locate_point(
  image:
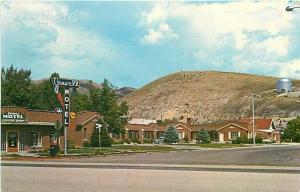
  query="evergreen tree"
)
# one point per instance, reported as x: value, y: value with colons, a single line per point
x: 203, y: 136
x: 292, y: 131
x: 106, y: 141
x: 171, y: 135
x: 15, y: 87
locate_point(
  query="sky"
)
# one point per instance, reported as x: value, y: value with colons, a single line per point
x: 134, y: 43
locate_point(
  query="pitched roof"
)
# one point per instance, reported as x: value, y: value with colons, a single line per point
x: 86, y: 116
x: 142, y: 121
x: 260, y: 123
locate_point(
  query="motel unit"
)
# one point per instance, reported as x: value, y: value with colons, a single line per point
x: 25, y: 129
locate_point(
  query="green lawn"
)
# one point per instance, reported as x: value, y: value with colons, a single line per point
x: 217, y: 145
x: 116, y: 149
x: 119, y: 149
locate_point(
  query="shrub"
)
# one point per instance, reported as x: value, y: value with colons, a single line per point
x: 128, y: 141
x: 71, y: 144
x: 240, y: 140
x: 171, y: 135
x: 87, y: 144
x: 292, y: 131
x: 258, y: 140
x: 186, y: 139
x: 106, y: 141
x: 203, y: 136
x: 148, y: 141
x: 135, y: 140
x: 118, y: 142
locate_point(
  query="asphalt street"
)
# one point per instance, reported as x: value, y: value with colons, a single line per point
x: 36, y: 179
x: 273, y: 156
x: 243, y: 169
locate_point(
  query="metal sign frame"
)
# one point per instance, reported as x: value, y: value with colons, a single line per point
x: 66, y: 84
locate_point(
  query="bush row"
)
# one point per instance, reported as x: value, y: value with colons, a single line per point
x: 245, y: 140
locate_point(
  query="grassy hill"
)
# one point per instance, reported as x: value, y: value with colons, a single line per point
x: 210, y: 96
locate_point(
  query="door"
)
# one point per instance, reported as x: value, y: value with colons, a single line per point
x: 12, y: 141
x: 221, y: 137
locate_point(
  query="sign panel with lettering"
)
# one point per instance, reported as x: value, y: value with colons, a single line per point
x: 60, y: 82
x: 12, y: 117
x: 67, y: 107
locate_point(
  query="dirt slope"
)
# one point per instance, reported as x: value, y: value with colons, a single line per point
x: 209, y: 96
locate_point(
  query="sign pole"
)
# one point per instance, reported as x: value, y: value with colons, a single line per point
x: 98, y: 126
x: 66, y: 115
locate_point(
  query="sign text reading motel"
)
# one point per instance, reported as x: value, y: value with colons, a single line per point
x: 66, y: 84
x: 12, y: 117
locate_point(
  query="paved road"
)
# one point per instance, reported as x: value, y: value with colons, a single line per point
x: 275, y: 156
x: 34, y: 179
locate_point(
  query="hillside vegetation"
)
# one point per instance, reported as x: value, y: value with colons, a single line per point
x: 210, y: 96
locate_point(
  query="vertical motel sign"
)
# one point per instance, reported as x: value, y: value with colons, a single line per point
x: 66, y: 84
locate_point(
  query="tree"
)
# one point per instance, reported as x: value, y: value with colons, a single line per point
x: 80, y: 102
x: 43, y: 96
x: 171, y: 135
x: 94, y: 98
x: 203, y: 136
x: 105, y: 101
x: 106, y: 141
x: 15, y: 86
x: 292, y: 131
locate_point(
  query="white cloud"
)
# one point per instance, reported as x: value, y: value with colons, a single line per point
x: 155, y: 36
x: 155, y: 23
x: 156, y: 15
x: 275, y: 46
x: 210, y: 22
x: 235, y: 36
x: 49, y: 30
x: 290, y: 69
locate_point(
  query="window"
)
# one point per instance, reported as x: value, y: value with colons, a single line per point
x: 213, y: 135
x: 35, y: 139
x: 234, y: 135
x: 115, y: 136
x: 181, y: 135
x: 148, y: 134
x: 133, y: 134
x: 51, y: 138
x: 194, y: 135
x: 160, y: 134
x: 84, y: 134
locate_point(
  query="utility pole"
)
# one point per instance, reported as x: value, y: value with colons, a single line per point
x: 253, y: 120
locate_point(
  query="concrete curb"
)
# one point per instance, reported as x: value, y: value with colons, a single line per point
x: 180, y: 167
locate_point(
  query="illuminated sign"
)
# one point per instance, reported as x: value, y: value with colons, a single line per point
x: 67, y: 107
x: 12, y: 117
x: 72, y: 115
x: 57, y: 82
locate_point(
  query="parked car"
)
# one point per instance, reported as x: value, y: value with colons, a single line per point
x: 160, y: 140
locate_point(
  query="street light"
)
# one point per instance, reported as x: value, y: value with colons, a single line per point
x: 253, y: 120
x: 98, y: 126
x: 291, y: 8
